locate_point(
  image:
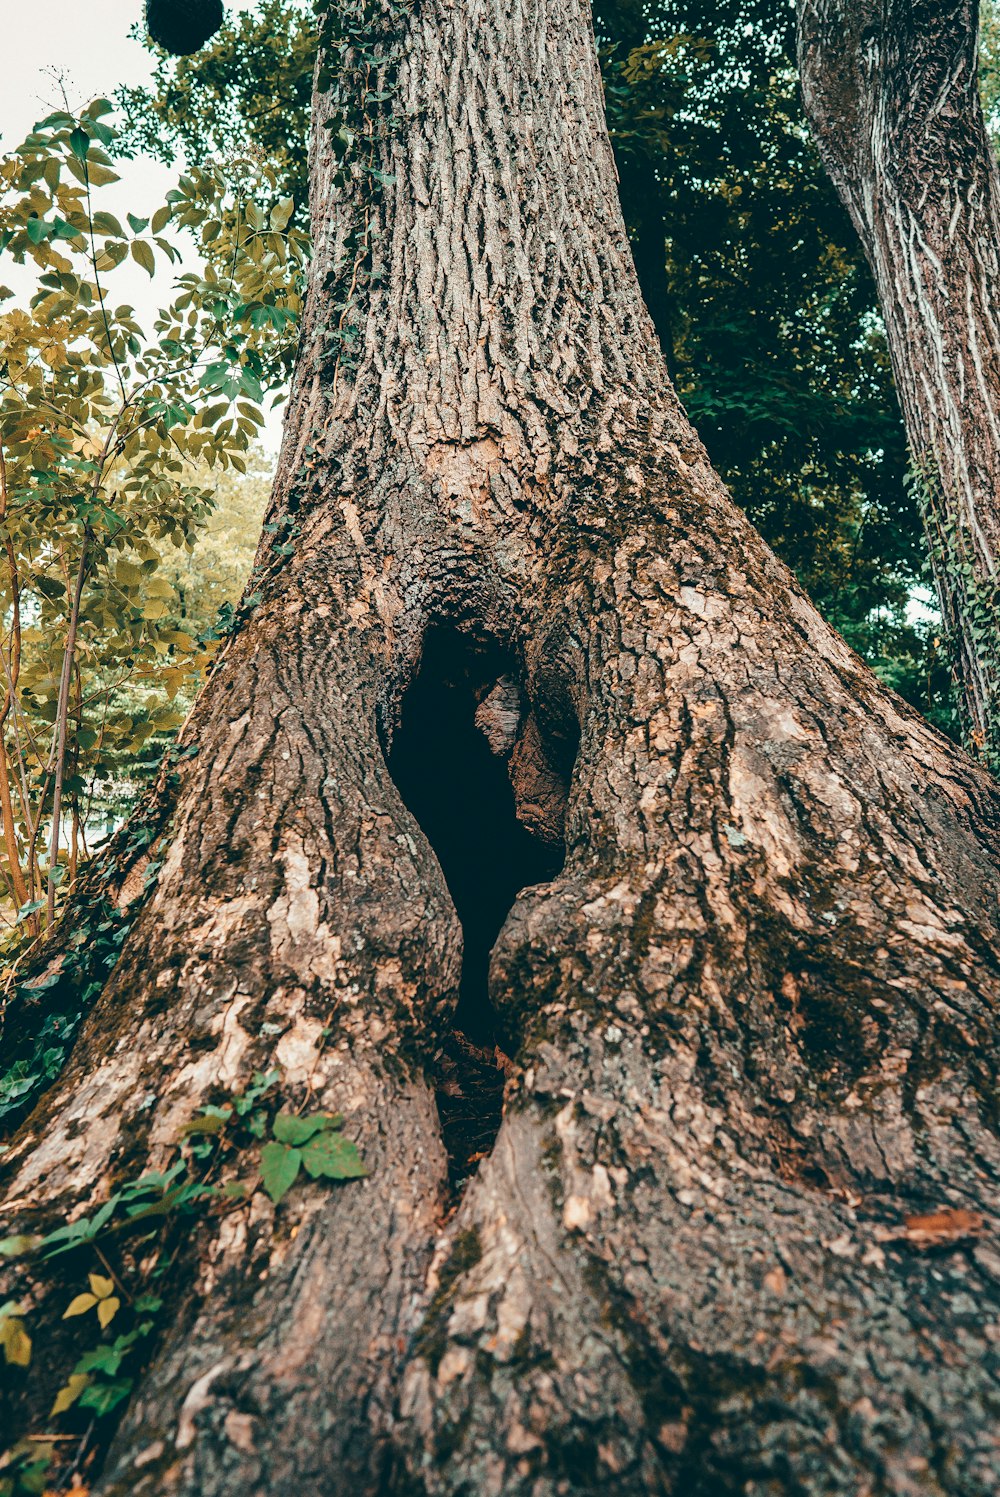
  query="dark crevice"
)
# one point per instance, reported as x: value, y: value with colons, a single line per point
x: 453, y: 776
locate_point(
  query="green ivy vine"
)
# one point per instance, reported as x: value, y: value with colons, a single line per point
x: 971, y: 611
x: 360, y: 49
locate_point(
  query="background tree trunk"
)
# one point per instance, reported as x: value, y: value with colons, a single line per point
x: 754, y: 1012
x: 892, y: 93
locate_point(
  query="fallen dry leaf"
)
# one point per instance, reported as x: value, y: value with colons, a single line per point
x: 950, y: 1225
x: 775, y: 1281
x: 951, y: 1222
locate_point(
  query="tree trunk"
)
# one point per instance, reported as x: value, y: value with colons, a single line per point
x: 753, y: 1013
x: 892, y: 93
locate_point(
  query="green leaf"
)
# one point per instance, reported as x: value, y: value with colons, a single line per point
x: 103, y: 1397
x: 103, y: 1359
x: 334, y: 1157
x: 15, y: 1247
x: 79, y: 144
x: 279, y: 1166
x: 137, y: 224
x: 292, y: 1130
x: 250, y: 385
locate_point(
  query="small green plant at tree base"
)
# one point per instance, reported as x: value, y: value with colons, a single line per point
x: 313, y: 1144
x: 105, y: 433
x: 132, y: 1229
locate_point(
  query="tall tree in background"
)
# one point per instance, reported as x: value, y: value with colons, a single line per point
x: 754, y: 1009
x: 893, y: 96
x: 774, y: 345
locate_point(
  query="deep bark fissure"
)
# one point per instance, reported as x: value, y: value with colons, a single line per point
x: 450, y: 758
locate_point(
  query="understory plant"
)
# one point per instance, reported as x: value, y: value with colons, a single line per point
x: 109, y: 436
x: 113, y: 1268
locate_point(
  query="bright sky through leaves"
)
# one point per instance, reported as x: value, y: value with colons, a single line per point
x: 91, y: 50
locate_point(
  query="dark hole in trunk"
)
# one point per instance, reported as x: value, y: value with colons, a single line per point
x: 459, y: 791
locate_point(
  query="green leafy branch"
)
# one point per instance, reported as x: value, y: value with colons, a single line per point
x: 102, y: 428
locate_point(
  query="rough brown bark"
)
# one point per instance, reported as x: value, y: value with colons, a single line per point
x: 891, y: 90
x: 755, y: 1012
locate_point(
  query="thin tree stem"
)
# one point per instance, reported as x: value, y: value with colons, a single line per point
x: 62, y: 719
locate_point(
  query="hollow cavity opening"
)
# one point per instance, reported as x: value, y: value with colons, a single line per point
x: 449, y: 759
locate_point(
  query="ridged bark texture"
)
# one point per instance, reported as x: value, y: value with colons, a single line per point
x: 756, y: 1010
x: 891, y: 90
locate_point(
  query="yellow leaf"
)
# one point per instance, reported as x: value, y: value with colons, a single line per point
x: 80, y: 1305
x: 100, y: 176
x: 68, y: 1395
x: 143, y: 255
x: 107, y: 1310
x: 281, y: 213
x: 16, y: 1343
x: 101, y: 1286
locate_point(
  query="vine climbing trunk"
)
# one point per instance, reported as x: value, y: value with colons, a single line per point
x: 892, y: 94
x: 734, y: 1232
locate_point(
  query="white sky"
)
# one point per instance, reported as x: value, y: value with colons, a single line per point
x: 90, y: 45
x: 89, y: 42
